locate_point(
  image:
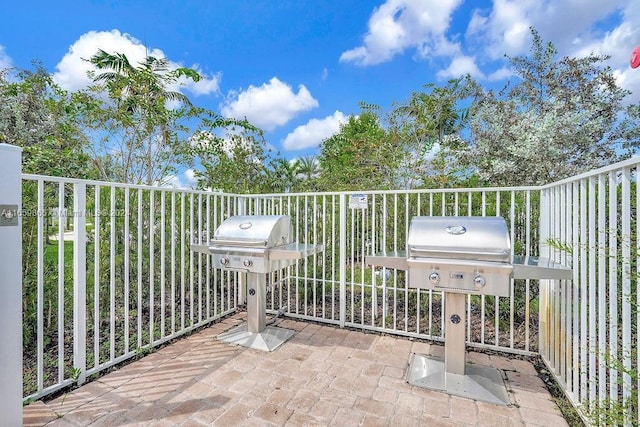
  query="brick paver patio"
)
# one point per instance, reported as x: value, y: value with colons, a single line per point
x: 322, y: 376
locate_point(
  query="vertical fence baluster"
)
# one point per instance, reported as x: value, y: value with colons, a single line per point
x: 112, y: 273
x: 576, y: 291
x: 96, y: 277
x: 602, y: 287
x: 127, y: 260
x: 208, y: 258
x: 173, y: 263
x: 342, y: 253
x: 61, y: 276
x: 637, y: 274
x: 625, y: 264
x: 591, y: 286
x: 191, y: 255
x: 139, y: 259
x: 613, y: 285
x: 183, y: 242
x: 40, y: 286
x: 567, y: 235
x: 163, y: 257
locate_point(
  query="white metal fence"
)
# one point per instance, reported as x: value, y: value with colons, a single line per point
x: 108, y: 274
x: 589, y: 326
x: 337, y: 286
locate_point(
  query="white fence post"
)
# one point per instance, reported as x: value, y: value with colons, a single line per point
x: 343, y: 259
x: 80, y: 280
x: 11, y: 285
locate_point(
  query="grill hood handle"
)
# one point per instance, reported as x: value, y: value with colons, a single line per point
x: 238, y: 242
x: 415, y: 250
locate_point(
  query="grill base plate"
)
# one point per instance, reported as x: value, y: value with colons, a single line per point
x: 482, y: 383
x: 269, y: 339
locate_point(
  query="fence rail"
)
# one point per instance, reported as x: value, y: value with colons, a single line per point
x: 108, y: 273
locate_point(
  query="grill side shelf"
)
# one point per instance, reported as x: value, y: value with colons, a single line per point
x: 294, y: 251
x: 539, y: 268
x: 204, y: 249
x: 396, y: 260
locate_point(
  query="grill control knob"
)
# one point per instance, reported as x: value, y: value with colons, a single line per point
x: 248, y: 263
x: 224, y: 260
x: 434, y: 278
x: 479, y: 281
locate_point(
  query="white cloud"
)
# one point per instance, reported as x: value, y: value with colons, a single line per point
x: 500, y: 74
x: 71, y: 71
x: 508, y: 26
x: 268, y: 106
x: 505, y: 29
x: 5, y: 60
x: 461, y: 66
x: 629, y: 79
x: 402, y: 24
x: 618, y: 44
x: 439, y: 47
x: 190, y: 176
x: 576, y: 29
x: 313, y: 132
x: 186, y: 179
x: 205, y: 86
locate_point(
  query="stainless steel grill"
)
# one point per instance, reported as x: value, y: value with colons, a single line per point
x: 456, y: 254
x: 255, y: 245
x: 459, y: 256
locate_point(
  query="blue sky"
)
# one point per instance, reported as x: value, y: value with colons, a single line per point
x: 297, y: 69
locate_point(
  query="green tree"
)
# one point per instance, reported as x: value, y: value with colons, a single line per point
x: 37, y: 115
x: 142, y: 127
x: 427, y: 127
x: 563, y: 117
x: 359, y: 156
x: 234, y: 163
x: 283, y: 175
x: 308, y: 172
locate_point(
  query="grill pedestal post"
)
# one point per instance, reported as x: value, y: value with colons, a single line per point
x: 255, y: 334
x: 256, y: 302
x: 451, y: 374
x: 454, y: 332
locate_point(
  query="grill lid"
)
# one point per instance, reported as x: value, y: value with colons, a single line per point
x: 257, y: 231
x: 468, y: 238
